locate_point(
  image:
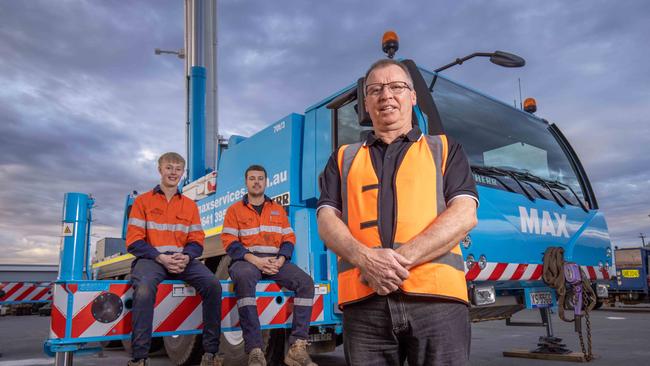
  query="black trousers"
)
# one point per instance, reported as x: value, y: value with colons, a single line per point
x: 245, y: 277
x: 387, y: 330
x: 146, y: 275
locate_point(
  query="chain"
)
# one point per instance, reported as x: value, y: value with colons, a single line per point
x: 582, y: 345
x: 589, y: 356
x: 553, y: 275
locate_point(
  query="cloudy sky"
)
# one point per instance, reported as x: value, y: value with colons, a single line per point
x: 86, y: 106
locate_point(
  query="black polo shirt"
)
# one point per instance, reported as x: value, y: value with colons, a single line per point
x: 457, y: 180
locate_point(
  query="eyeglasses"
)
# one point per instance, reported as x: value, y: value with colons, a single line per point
x: 395, y: 87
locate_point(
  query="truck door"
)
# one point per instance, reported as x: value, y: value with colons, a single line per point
x: 346, y: 129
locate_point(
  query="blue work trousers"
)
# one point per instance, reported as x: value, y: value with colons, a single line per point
x: 146, y: 274
x: 387, y: 330
x: 245, y: 277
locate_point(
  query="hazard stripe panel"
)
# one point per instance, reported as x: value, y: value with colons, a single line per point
x: 523, y: 272
x: 59, y: 312
x: 26, y: 292
x: 177, y: 308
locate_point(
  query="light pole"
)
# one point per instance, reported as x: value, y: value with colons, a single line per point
x: 180, y: 53
x: 500, y: 58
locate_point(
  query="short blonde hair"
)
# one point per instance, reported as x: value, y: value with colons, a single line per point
x: 171, y: 157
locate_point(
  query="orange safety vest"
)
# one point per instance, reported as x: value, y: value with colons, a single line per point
x: 418, y: 186
x: 167, y: 226
x: 258, y: 233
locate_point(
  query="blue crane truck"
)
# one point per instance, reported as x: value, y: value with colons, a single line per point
x: 533, y: 191
x: 534, y: 194
x: 631, y: 284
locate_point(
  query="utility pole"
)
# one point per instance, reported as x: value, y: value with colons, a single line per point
x: 642, y: 239
x: 521, y: 104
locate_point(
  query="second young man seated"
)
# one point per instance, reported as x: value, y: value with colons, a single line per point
x: 259, y: 240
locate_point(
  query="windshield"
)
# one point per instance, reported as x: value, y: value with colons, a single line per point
x: 495, y: 135
x: 628, y: 258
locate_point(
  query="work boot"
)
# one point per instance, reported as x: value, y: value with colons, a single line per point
x: 140, y: 362
x: 256, y: 357
x: 211, y: 359
x: 298, y: 356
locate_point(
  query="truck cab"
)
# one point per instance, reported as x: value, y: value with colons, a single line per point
x: 532, y: 188
x: 632, y: 282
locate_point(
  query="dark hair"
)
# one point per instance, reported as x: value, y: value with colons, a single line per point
x: 385, y: 62
x: 257, y: 168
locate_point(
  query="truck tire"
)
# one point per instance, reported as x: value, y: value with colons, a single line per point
x: 184, y: 349
x: 276, y: 345
x: 110, y: 344
x: 156, y: 345
x: 231, y: 345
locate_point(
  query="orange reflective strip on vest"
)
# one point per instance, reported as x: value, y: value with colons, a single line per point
x: 419, y: 200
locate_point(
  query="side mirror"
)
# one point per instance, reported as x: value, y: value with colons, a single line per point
x: 362, y: 115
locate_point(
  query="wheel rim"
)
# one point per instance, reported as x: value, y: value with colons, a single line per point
x: 176, y: 341
x: 234, y: 338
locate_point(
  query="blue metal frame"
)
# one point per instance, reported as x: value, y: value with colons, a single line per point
x: 127, y: 207
x: 76, y: 211
x: 23, y: 302
x: 196, y: 148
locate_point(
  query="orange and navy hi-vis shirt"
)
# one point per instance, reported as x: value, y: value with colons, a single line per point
x: 156, y: 226
x: 246, y: 231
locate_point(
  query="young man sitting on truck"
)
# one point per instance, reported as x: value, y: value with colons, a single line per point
x: 259, y: 240
x: 165, y: 235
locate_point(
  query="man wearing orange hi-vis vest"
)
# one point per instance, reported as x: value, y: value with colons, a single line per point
x: 164, y: 233
x: 259, y: 240
x: 394, y: 208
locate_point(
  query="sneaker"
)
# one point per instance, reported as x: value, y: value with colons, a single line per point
x: 211, y: 359
x: 256, y: 357
x: 298, y: 356
x: 140, y: 362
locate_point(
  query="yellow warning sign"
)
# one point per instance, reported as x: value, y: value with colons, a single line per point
x: 68, y: 229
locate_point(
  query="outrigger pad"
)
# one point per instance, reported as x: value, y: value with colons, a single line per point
x: 522, y: 353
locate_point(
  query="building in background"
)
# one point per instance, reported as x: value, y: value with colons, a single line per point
x: 28, y: 272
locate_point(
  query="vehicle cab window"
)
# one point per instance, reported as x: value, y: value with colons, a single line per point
x: 346, y: 126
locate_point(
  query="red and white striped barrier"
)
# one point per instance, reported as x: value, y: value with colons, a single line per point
x: 59, y: 312
x: 16, y: 292
x: 522, y: 272
x: 177, y: 308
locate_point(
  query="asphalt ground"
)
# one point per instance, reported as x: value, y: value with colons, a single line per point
x: 620, y: 337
